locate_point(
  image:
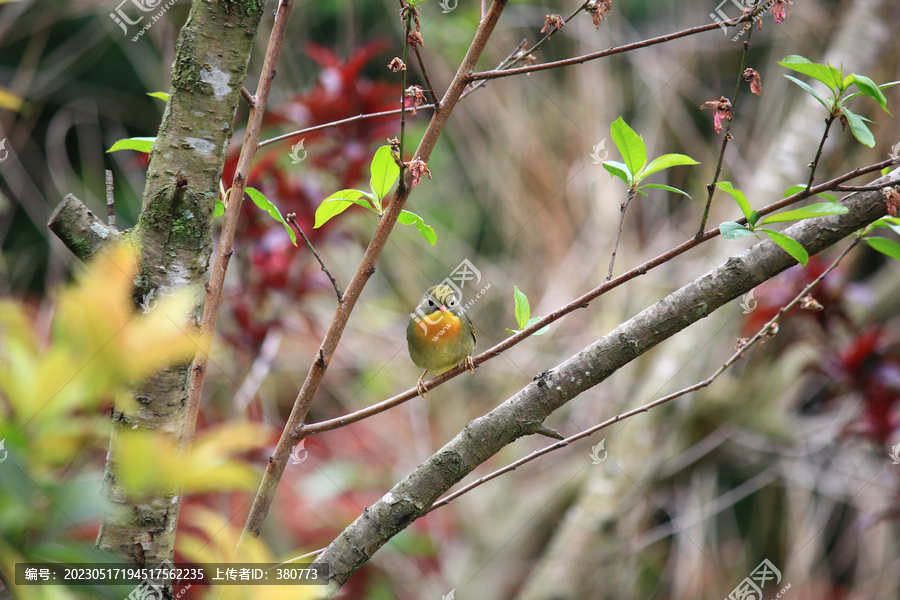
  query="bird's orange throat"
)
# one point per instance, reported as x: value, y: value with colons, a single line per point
x: 437, y: 325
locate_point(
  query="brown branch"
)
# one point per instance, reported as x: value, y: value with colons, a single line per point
x: 290, y: 434
x: 763, y: 331
x: 577, y: 60
x: 292, y: 219
x: 522, y: 413
x: 248, y: 97
x: 581, y: 302
x: 232, y: 213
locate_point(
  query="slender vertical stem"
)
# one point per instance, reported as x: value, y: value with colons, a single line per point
x: 292, y: 219
x: 815, y: 162
x: 711, y: 187
x: 623, y: 208
x: 431, y: 90
x: 409, y: 10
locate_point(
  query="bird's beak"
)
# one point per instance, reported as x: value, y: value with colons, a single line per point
x: 443, y: 308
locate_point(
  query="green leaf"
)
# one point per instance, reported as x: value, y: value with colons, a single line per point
x: 807, y: 212
x: 885, y: 246
x: 808, y: 89
x: 819, y: 72
x: 141, y: 144
x: 754, y: 218
x: 789, y: 245
x: 338, y: 202
x: 660, y: 186
x: 410, y: 218
x: 733, y: 231
x: 738, y: 196
x: 883, y: 86
x: 161, y: 95
x: 260, y: 200
x: 893, y: 223
x: 523, y: 309
x: 619, y: 170
x: 667, y: 161
x: 630, y: 145
x: 871, y: 89
x: 219, y: 210
x: 534, y: 320
x: 802, y: 187
x: 858, y: 128
x: 384, y: 173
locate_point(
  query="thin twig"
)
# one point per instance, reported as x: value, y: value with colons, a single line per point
x: 291, y: 433
x: 622, y: 209
x: 577, y: 60
x: 110, y: 201
x: 520, y: 57
x: 503, y: 64
x: 711, y: 188
x: 862, y: 188
x: 384, y: 113
x: 409, y: 18
x: 360, y: 117
x: 292, y: 219
x: 232, y: 213
x: 763, y: 332
x: 581, y: 302
x: 250, y: 99
x: 815, y: 162
x: 434, y: 98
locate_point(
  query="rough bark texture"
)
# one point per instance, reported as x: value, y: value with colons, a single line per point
x: 173, y: 234
x: 522, y: 413
x: 79, y: 229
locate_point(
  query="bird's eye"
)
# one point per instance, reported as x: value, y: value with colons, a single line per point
x: 431, y: 303
x: 452, y: 301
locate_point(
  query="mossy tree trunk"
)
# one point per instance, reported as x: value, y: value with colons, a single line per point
x: 173, y: 237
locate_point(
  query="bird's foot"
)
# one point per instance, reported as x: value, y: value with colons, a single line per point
x: 420, y: 385
x: 470, y: 365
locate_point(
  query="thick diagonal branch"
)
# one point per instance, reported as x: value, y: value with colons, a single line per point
x: 523, y: 413
x: 291, y: 434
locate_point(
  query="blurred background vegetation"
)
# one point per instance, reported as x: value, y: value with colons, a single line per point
x: 785, y: 458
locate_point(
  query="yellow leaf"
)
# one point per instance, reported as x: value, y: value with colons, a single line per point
x: 7, y: 98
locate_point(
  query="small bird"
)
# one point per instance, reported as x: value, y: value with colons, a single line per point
x: 440, y: 335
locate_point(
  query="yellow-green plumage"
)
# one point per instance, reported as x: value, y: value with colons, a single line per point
x: 440, y: 335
